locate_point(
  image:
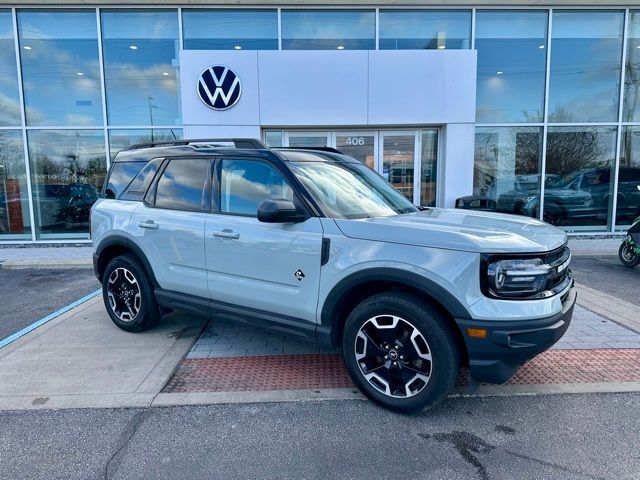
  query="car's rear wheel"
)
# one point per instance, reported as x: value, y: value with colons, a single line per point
x: 400, y: 351
x: 128, y: 295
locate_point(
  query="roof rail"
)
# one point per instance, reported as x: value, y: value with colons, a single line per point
x: 321, y: 149
x: 249, y: 143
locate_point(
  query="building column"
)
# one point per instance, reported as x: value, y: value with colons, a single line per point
x: 457, y: 148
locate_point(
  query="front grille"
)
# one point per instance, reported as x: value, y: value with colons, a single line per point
x: 559, y: 260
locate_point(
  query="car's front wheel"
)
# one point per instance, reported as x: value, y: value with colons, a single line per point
x: 128, y: 295
x: 400, y: 351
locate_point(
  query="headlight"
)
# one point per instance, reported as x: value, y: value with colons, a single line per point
x: 507, y: 277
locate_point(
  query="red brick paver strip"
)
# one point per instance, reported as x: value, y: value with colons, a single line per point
x: 323, y: 371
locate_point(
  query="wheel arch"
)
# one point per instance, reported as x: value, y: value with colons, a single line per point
x: 113, y: 246
x: 356, y: 287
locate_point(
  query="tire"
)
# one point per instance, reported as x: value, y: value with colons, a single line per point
x: 125, y: 280
x: 627, y: 255
x: 386, y: 324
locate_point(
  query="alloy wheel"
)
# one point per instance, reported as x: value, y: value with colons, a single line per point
x: 393, y: 356
x: 124, y: 295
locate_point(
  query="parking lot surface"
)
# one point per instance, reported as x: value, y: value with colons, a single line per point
x: 608, y: 275
x: 30, y: 294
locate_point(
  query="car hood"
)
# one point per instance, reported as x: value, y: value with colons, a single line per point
x: 467, y: 230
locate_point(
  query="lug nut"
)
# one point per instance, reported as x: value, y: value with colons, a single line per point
x: 395, y: 363
x: 386, y: 357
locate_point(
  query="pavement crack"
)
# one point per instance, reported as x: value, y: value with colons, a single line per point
x: 113, y: 463
x: 466, y: 445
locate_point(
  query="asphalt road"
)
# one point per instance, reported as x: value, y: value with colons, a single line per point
x: 30, y: 294
x: 608, y: 275
x: 527, y: 437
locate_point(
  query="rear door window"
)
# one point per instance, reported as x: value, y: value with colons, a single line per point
x: 120, y: 177
x: 184, y: 185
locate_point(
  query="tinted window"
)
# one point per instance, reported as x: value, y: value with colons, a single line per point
x: 245, y: 184
x: 121, y: 175
x: 139, y: 185
x: 425, y: 29
x: 9, y: 106
x: 182, y: 185
x: 328, y: 30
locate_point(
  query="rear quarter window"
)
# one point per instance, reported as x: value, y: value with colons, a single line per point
x: 121, y: 175
x: 138, y: 187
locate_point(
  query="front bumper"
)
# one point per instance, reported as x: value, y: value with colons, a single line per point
x: 507, y: 345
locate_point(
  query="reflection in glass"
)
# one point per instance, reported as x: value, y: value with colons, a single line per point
x: 631, y: 108
x: 628, y: 205
x: 67, y: 172
x: 360, y: 147
x: 424, y: 29
x: 181, y: 185
x: 273, y: 139
x: 507, y: 167
x: 60, y: 68
x: 14, y: 200
x: 140, y: 50
x: 581, y: 160
x: 586, y: 53
x: 308, y: 140
x: 9, y: 99
x: 328, y: 29
x: 123, y: 139
x: 511, y: 65
x: 223, y: 29
x: 429, y: 168
x: 398, y: 155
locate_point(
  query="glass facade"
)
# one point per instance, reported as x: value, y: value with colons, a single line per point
x: 425, y: 29
x: 230, y: 29
x: 328, y: 29
x: 79, y: 84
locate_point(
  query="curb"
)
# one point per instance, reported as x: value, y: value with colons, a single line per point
x: 46, y: 263
x: 612, y: 308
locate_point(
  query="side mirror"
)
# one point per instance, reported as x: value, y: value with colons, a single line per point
x: 279, y: 211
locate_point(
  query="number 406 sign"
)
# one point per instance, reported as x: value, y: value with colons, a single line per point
x: 354, y: 141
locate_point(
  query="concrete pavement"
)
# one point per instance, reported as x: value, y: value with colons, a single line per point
x: 81, y: 359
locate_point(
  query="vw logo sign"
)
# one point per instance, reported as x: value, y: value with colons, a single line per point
x: 219, y: 87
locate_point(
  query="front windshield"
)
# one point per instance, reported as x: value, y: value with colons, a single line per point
x: 350, y: 190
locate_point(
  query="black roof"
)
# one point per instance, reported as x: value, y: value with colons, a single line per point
x: 242, y: 147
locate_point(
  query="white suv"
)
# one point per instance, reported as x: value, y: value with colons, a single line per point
x: 314, y: 243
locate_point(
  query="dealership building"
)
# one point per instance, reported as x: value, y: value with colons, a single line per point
x: 532, y: 110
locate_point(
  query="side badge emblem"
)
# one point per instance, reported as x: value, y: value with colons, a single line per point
x: 299, y: 275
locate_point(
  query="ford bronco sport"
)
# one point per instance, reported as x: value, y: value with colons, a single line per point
x: 314, y: 243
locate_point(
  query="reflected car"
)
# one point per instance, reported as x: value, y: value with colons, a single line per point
x: 65, y: 206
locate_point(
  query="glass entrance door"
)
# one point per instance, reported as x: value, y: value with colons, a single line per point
x: 359, y: 145
x: 398, y: 161
x: 408, y: 159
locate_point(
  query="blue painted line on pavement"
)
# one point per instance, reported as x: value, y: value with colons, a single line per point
x: 51, y: 316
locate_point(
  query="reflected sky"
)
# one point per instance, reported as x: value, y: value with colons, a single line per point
x: 511, y: 66
x: 9, y: 100
x: 122, y: 139
x: 631, y: 111
x: 182, y: 183
x: 328, y: 29
x: 140, y: 49
x: 424, y: 29
x: 222, y: 29
x: 60, y: 68
x: 586, y: 55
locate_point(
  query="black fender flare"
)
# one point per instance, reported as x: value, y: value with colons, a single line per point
x: 329, y: 319
x: 123, y: 241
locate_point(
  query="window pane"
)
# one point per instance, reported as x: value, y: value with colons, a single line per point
x: 579, y: 183
x: 67, y: 172
x: 182, y: 185
x: 632, y: 80
x: 237, y: 29
x: 122, y: 139
x: 586, y: 54
x: 60, y: 70
x: 507, y: 168
x: 122, y: 174
x: 511, y: 65
x: 245, y: 184
x: 14, y: 200
x: 140, y: 49
x: 9, y: 100
x: 273, y: 139
x: 398, y: 154
x: 424, y: 29
x: 429, y: 168
x: 328, y: 29
x: 628, y: 208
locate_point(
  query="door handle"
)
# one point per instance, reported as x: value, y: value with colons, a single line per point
x: 226, y: 234
x: 149, y: 224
